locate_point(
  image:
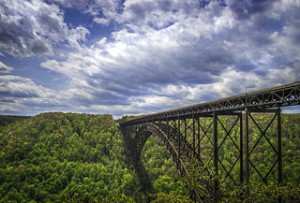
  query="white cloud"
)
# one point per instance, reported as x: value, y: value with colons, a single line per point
x: 77, y: 35
x: 102, y: 21
x: 30, y: 27
x: 23, y: 96
x: 34, y: 27
x: 203, y: 52
x: 102, y: 11
x: 168, y: 54
x: 4, y: 68
x: 19, y: 87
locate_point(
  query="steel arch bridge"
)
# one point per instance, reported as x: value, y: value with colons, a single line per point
x: 200, y: 131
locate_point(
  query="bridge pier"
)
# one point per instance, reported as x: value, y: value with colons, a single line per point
x: 216, y: 132
x: 247, y: 145
x: 215, y: 141
x: 200, y: 132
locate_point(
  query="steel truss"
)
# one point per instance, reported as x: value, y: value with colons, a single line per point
x: 287, y: 95
x: 201, y: 131
x: 276, y: 113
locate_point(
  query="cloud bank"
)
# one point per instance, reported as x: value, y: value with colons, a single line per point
x: 161, y: 54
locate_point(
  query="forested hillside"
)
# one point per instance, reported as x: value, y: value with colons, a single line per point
x: 57, y: 157
x: 69, y: 158
x: 63, y: 157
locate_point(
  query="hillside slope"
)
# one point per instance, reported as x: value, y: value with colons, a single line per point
x: 64, y: 157
x: 57, y: 157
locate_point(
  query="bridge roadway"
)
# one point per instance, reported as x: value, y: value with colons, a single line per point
x: 286, y: 95
x: 183, y: 132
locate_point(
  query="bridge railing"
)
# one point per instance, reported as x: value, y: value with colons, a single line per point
x: 286, y: 95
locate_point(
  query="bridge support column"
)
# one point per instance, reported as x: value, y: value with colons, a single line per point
x: 168, y: 128
x: 179, y: 144
x: 246, y: 145
x: 194, y: 135
x: 279, y: 145
x: 183, y: 147
x: 216, y: 182
x: 241, y: 149
x: 198, y: 137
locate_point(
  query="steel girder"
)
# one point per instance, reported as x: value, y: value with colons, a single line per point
x: 183, y: 133
x: 286, y: 95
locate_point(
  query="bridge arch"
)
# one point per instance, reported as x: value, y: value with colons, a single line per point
x: 173, y: 127
x: 170, y: 139
x: 142, y: 135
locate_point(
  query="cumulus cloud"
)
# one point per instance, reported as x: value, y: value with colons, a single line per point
x: 23, y: 96
x: 102, y: 11
x: 29, y: 27
x: 158, y: 14
x: 4, y: 68
x: 102, y: 21
x: 34, y: 27
x: 246, y: 8
x: 172, y: 50
x: 19, y: 87
x: 168, y: 54
x: 77, y: 35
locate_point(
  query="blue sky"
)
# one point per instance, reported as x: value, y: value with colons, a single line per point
x: 142, y: 56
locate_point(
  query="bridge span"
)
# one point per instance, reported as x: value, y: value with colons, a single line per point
x: 245, y: 122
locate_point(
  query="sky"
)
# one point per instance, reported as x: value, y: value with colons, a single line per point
x: 125, y: 57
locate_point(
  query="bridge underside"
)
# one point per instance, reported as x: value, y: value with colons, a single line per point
x: 221, y: 143
x: 221, y: 137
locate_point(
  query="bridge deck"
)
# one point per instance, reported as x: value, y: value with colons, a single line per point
x: 286, y: 95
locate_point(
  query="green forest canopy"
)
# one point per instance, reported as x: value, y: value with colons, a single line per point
x: 69, y: 157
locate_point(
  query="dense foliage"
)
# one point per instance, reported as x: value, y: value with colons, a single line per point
x: 64, y: 158
x: 5, y: 120
x: 57, y: 157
